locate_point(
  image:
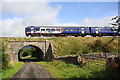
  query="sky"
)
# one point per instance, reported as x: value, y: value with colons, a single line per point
x: 17, y: 14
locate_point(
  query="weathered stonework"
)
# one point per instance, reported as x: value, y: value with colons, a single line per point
x: 98, y: 56
x: 16, y: 46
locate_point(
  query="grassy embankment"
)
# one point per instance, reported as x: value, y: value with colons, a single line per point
x: 69, y: 46
x: 8, y: 73
x: 79, y: 45
x: 59, y: 69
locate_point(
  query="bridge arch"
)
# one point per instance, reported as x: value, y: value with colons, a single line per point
x: 43, y: 47
x: 39, y: 54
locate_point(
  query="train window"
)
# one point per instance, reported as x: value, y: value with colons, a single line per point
x: 47, y: 29
x: 28, y: 29
x: 68, y: 29
x: 105, y: 29
x: 76, y: 30
x: 42, y: 29
x: 52, y: 29
x: 65, y: 30
x: 37, y: 29
x: 57, y: 29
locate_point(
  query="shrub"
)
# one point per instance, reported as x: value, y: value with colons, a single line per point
x: 108, y: 49
x: 85, y: 51
x: 5, y: 58
x: 97, y: 46
x: 5, y: 61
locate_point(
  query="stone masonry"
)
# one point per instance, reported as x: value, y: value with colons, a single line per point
x: 16, y: 46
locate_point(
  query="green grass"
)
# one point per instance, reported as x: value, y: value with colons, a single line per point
x: 28, y: 57
x: 59, y: 69
x: 12, y: 70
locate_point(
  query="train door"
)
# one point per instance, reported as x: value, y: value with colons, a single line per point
x: 90, y: 30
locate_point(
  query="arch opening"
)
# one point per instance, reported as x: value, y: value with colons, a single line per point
x: 30, y: 53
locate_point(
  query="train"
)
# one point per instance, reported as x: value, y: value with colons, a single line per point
x: 64, y: 31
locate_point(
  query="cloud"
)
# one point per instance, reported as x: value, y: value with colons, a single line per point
x: 96, y: 21
x: 13, y: 27
x: 100, y: 22
x: 32, y: 14
x: 24, y: 9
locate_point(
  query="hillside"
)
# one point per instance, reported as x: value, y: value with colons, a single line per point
x: 79, y: 45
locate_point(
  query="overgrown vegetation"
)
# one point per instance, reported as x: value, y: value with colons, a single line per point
x: 68, y: 46
x: 8, y: 73
x: 5, y: 57
x: 8, y: 68
x: 59, y: 69
x: 99, y: 46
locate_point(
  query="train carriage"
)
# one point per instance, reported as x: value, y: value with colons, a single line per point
x: 69, y: 31
x: 76, y: 31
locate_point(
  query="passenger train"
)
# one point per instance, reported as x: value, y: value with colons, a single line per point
x: 64, y: 31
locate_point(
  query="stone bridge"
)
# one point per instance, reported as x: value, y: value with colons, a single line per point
x: 44, y: 49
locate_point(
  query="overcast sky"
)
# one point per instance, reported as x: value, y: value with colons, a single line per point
x: 18, y: 14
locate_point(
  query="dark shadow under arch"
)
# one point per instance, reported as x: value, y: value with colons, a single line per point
x: 40, y: 54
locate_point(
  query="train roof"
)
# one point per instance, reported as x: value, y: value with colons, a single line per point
x: 59, y: 26
x: 65, y: 26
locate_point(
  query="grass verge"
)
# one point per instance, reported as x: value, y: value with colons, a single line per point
x: 59, y: 69
x: 8, y: 73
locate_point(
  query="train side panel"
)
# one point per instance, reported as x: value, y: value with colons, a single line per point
x: 70, y: 31
x: 107, y: 31
x: 77, y: 31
